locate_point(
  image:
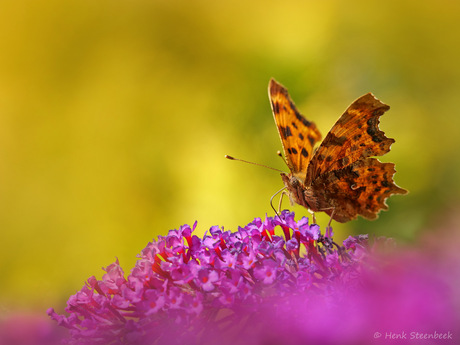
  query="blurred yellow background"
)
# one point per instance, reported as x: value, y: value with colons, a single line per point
x: 115, y: 117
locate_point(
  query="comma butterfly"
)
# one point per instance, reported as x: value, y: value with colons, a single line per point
x: 339, y: 177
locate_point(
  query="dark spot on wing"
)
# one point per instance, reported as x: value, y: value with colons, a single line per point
x: 311, y: 140
x: 299, y: 116
x: 367, y: 152
x: 304, y: 152
x: 292, y: 150
x: 285, y: 132
x: 276, y: 108
x: 338, y: 174
x: 303, y: 119
x: 373, y: 130
x: 294, y: 125
x: 282, y: 132
x: 334, y: 140
x: 301, y: 136
x: 378, y: 112
x: 354, y: 148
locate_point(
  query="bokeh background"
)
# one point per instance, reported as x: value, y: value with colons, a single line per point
x: 115, y: 117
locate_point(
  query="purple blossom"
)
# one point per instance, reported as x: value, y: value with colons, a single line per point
x: 273, y: 281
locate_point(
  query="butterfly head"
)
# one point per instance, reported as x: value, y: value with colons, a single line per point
x: 296, y: 189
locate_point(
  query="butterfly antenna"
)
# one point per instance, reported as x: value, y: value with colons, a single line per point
x: 242, y: 160
x: 282, y: 157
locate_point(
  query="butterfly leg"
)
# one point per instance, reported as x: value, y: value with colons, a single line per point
x: 312, y: 215
x: 281, y: 198
x: 323, y: 210
x: 332, y: 216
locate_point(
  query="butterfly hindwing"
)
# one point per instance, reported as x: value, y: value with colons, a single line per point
x: 359, y: 189
x: 298, y: 135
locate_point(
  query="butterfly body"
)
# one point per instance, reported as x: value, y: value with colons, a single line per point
x: 340, y: 177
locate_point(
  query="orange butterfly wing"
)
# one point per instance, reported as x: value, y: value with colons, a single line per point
x: 354, y: 136
x: 343, y: 179
x: 358, y: 189
x: 298, y: 135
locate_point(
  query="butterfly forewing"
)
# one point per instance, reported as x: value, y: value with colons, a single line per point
x: 298, y: 135
x: 356, y: 135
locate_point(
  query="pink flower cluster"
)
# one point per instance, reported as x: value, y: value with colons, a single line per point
x: 275, y: 281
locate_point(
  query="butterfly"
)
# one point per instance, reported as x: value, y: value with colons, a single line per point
x: 339, y: 177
